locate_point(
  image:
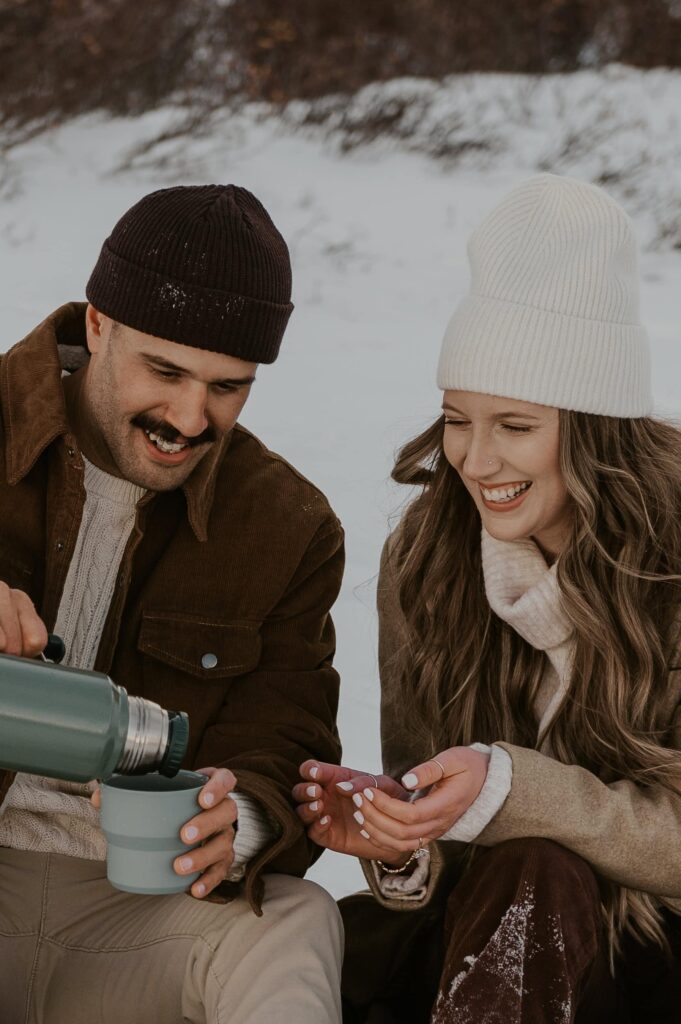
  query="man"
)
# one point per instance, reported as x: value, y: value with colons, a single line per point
x: 173, y: 551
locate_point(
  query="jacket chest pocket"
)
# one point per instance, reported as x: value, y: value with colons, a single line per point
x: 205, y: 648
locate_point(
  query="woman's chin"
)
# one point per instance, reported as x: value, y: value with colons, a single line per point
x: 505, y: 530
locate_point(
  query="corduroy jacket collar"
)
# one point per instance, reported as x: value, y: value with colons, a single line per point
x: 34, y: 410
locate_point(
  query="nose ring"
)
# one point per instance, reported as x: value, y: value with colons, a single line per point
x: 490, y: 461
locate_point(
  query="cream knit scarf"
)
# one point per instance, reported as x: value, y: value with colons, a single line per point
x: 523, y: 591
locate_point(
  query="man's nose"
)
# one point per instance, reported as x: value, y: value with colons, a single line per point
x: 187, y: 414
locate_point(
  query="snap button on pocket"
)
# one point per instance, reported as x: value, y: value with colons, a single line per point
x: 209, y: 661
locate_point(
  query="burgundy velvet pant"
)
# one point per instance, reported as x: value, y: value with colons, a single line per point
x: 521, y: 942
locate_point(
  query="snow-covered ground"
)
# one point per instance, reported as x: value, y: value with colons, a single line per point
x: 377, y: 238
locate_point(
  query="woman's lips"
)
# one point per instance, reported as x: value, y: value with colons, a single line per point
x: 506, y: 506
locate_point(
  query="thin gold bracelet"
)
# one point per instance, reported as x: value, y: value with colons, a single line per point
x: 418, y: 852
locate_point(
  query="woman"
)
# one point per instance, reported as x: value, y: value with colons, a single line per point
x: 530, y: 657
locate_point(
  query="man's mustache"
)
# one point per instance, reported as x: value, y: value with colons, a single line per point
x: 169, y: 434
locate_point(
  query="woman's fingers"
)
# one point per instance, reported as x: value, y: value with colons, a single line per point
x: 304, y: 792
x: 400, y: 810
x: 324, y: 773
x: 362, y: 781
x: 311, y: 812
x: 444, y: 766
x: 348, y: 780
x: 386, y: 831
x: 320, y: 830
x: 432, y: 814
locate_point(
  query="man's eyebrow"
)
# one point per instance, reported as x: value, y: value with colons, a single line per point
x: 167, y: 365
x: 498, y: 416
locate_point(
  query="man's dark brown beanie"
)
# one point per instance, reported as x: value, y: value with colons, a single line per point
x: 202, y: 265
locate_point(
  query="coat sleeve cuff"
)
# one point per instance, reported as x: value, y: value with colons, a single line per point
x: 412, y: 885
x: 490, y: 799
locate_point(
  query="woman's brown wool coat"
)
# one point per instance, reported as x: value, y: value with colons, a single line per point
x: 628, y: 833
x: 243, y: 562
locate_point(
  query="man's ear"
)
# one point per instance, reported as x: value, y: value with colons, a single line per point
x: 94, y: 325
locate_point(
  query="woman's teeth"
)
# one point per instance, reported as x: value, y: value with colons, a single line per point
x: 164, y: 446
x: 504, y: 494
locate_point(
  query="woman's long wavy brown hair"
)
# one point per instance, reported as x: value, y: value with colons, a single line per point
x: 468, y: 676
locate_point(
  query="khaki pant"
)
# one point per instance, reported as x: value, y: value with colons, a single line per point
x: 74, y: 950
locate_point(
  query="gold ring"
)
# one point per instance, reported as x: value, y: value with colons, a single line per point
x: 370, y: 776
x: 440, y: 766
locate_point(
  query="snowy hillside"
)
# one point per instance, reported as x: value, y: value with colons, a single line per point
x: 377, y: 237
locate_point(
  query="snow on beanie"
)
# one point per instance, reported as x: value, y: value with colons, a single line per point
x: 552, y: 314
x: 202, y: 265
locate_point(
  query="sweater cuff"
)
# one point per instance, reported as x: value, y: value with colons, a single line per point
x: 411, y: 887
x: 490, y: 799
x: 255, y: 830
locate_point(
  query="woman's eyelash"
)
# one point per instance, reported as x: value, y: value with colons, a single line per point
x: 514, y: 429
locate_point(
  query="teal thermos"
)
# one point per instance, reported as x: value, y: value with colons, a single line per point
x: 78, y: 725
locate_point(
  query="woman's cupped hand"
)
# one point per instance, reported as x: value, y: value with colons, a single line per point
x: 369, y: 816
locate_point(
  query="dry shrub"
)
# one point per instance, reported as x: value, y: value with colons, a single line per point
x: 311, y: 48
x: 60, y: 58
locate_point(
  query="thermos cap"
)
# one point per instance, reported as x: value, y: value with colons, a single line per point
x: 178, y: 725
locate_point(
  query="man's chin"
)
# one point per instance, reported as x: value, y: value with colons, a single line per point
x: 155, y: 476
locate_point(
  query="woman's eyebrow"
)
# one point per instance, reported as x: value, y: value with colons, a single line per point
x: 498, y: 416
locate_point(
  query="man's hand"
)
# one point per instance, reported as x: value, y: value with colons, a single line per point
x: 22, y: 631
x: 214, y: 827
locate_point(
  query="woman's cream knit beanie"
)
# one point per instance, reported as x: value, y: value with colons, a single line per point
x: 552, y: 315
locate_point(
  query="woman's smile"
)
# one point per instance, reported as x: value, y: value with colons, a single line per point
x: 504, y: 497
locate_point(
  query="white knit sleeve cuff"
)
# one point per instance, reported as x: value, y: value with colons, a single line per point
x: 490, y: 798
x: 255, y: 831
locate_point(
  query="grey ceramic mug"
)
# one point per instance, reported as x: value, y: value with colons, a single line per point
x: 141, y: 817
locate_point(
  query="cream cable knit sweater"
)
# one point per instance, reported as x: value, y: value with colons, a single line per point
x: 55, y: 816
x: 523, y: 591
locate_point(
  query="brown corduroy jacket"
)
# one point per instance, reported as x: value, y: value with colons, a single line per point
x: 243, y: 562
x: 630, y: 834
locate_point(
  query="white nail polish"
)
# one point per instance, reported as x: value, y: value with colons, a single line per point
x: 208, y: 799
x: 410, y: 780
x: 357, y: 800
x: 346, y: 786
x: 191, y: 833
x: 314, y: 771
x: 311, y: 790
x: 359, y: 817
x: 368, y: 794
x: 201, y: 889
x: 314, y: 806
x: 325, y: 820
x: 364, y: 833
